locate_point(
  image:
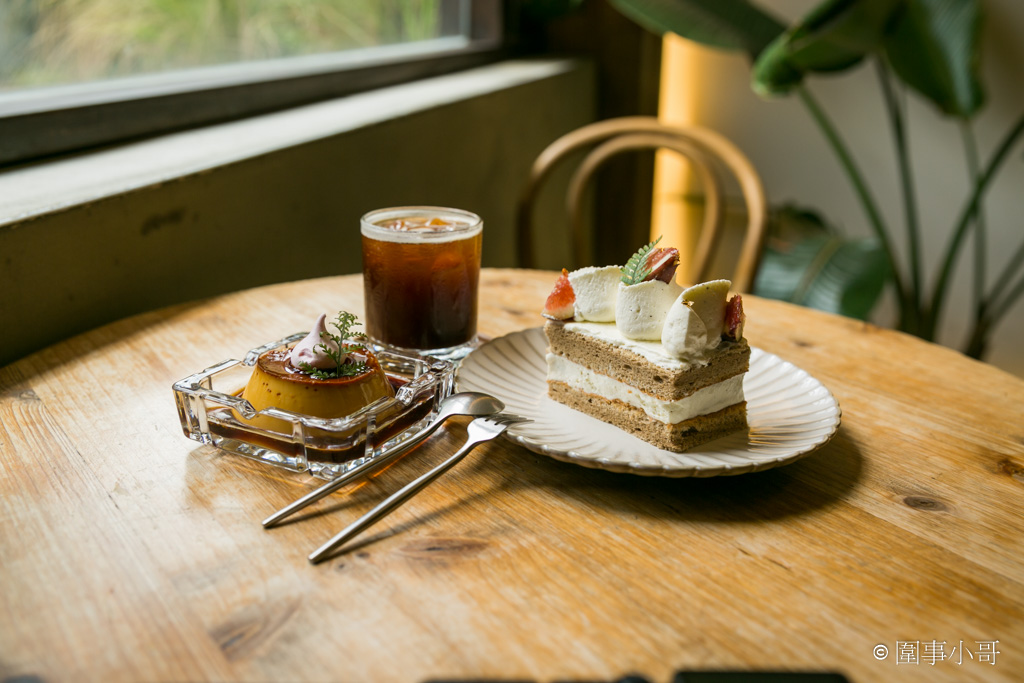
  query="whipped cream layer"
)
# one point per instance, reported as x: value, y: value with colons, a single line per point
x: 702, y: 402
x: 653, y: 351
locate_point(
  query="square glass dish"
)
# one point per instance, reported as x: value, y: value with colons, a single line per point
x: 210, y: 404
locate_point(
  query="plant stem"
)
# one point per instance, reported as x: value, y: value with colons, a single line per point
x: 978, y: 342
x: 992, y: 311
x: 863, y: 193
x: 991, y: 302
x: 980, y: 228
x: 952, y: 250
x: 1003, y: 306
x: 896, y: 120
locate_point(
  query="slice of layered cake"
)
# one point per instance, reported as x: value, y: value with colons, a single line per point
x: 632, y: 348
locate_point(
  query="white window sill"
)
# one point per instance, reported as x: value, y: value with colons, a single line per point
x: 48, y: 187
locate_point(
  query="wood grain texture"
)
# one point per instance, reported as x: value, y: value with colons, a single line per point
x: 129, y: 553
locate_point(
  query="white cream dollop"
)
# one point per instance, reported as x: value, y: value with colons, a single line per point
x: 708, y: 301
x: 640, y: 309
x: 685, y: 335
x: 596, y: 290
x: 306, y: 352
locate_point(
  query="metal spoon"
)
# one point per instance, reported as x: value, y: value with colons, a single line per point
x: 472, y: 403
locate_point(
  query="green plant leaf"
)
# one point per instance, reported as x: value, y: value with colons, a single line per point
x: 726, y: 24
x: 836, y: 35
x: 934, y: 47
x: 825, y: 272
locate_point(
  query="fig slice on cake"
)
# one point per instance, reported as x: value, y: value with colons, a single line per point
x: 735, y: 318
x: 650, y: 263
x: 561, y: 301
x: 662, y: 263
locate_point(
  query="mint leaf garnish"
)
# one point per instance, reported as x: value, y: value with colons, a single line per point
x: 343, y: 366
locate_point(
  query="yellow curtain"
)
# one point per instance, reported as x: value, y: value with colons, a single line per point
x: 674, y: 219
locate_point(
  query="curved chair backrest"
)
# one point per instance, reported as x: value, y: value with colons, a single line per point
x: 704, y: 148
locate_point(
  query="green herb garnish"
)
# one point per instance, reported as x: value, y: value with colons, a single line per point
x: 342, y: 367
x: 636, y: 270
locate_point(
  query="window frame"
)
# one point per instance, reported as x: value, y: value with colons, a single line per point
x: 38, y: 123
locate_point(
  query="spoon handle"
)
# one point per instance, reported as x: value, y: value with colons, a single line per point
x: 393, y: 501
x: 356, y: 472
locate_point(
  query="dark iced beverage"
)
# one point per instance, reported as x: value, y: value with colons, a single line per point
x: 421, y: 270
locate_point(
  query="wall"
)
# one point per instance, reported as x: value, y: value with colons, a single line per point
x: 260, y: 213
x: 797, y: 165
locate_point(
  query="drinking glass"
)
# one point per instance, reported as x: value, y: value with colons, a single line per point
x: 421, y: 272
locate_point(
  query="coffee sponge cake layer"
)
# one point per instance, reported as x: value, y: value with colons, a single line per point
x: 677, y: 437
x: 669, y: 380
x: 671, y: 403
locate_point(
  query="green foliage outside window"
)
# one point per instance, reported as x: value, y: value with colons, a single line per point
x: 51, y: 42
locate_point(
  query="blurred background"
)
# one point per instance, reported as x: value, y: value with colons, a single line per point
x: 59, y: 42
x: 712, y: 87
x: 90, y: 87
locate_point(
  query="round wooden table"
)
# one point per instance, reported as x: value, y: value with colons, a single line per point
x: 130, y: 553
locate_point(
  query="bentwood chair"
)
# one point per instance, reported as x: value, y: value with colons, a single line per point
x: 705, y: 149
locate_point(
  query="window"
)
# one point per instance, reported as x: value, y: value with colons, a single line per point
x: 80, y: 73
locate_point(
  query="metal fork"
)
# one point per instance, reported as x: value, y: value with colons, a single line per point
x: 480, y: 430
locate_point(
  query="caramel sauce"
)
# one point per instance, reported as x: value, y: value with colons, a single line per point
x: 276, y: 382
x: 223, y: 423
x: 277, y: 363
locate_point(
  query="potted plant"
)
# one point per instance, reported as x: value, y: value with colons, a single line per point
x: 930, y: 46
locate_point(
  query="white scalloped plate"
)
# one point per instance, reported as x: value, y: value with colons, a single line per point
x: 790, y: 415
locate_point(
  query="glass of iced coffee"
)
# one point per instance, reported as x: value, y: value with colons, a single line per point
x: 421, y: 270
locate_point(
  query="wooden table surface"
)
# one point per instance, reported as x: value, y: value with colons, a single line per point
x: 129, y: 553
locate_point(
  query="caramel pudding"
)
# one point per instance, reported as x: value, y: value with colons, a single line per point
x: 275, y: 382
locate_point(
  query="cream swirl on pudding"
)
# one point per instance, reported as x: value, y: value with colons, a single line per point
x: 314, y: 347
